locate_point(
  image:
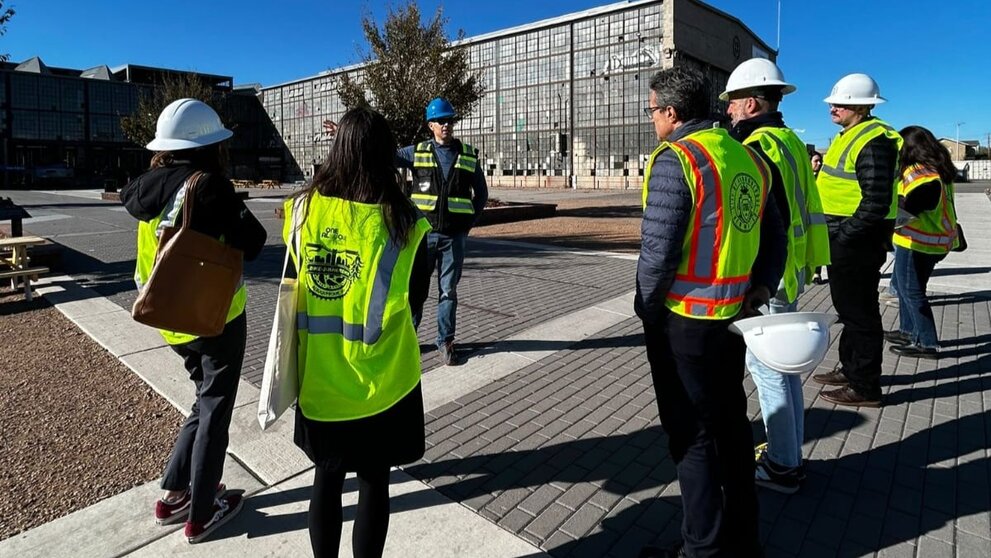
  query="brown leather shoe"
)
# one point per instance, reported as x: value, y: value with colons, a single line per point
x: 846, y: 396
x: 833, y: 378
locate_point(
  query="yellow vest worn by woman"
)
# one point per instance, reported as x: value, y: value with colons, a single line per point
x: 358, y: 351
x: 729, y: 184
x: 934, y: 231
x: 808, y: 237
x: 839, y: 189
x: 148, y: 234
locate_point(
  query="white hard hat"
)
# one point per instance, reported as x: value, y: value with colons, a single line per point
x: 756, y: 72
x: 791, y: 343
x: 187, y: 124
x: 855, y: 89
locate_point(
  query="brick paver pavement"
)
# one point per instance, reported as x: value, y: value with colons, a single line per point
x: 568, y: 453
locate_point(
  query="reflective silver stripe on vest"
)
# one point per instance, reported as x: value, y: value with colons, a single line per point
x: 837, y: 171
x: 926, y: 238
x: 424, y: 201
x: 169, y: 215
x: 803, y: 208
x: 371, y: 330
x: 683, y: 287
x: 171, y: 211
x: 460, y: 205
x: 708, y: 209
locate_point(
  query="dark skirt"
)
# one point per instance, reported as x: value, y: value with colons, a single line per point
x: 393, y: 437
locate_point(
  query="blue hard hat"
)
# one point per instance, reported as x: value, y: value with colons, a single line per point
x: 440, y: 108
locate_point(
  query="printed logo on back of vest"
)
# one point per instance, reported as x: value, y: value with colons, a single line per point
x: 332, y: 234
x: 424, y: 185
x: 744, y: 202
x: 331, y: 272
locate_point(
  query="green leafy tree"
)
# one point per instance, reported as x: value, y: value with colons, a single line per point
x: 408, y: 63
x: 139, y: 127
x: 6, y: 13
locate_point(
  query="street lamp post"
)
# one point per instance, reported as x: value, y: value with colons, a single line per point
x: 957, y: 149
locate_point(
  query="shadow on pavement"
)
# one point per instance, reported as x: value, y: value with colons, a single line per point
x: 954, y: 299
x: 480, y: 348
x: 946, y: 271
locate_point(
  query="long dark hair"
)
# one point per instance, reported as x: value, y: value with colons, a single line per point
x: 210, y: 159
x: 921, y: 147
x: 361, y: 167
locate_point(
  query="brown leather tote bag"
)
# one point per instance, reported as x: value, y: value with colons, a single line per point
x: 193, y: 281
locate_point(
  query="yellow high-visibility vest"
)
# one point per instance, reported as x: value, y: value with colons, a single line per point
x: 839, y: 189
x: 729, y: 184
x: 149, y: 233
x: 934, y: 231
x: 358, y: 351
x: 808, y: 237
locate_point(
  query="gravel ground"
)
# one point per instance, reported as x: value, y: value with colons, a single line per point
x: 605, y: 223
x: 76, y: 425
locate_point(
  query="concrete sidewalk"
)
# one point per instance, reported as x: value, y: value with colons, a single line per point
x: 547, y: 442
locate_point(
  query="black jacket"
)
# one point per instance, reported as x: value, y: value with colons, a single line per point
x: 217, y: 211
x: 876, y: 170
x: 665, y: 223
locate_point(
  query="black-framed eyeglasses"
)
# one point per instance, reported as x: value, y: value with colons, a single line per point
x: 444, y: 121
x: 649, y: 111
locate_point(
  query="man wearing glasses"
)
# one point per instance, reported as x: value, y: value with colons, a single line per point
x: 713, y: 249
x: 449, y: 187
x: 856, y: 186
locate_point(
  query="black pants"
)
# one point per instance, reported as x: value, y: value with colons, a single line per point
x: 854, y: 277
x: 697, y: 367
x: 197, y: 462
x: 371, y: 522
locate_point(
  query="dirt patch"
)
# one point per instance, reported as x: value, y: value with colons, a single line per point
x: 610, y: 223
x: 76, y: 425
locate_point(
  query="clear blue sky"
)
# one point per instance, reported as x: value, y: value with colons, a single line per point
x: 931, y: 58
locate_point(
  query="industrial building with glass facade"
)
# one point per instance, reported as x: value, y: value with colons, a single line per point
x: 564, y: 97
x: 61, y: 127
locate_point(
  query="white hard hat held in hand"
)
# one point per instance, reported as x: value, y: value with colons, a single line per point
x: 187, y: 124
x: 754, y: 74
x: 791, y: 343
x: 855, y: 89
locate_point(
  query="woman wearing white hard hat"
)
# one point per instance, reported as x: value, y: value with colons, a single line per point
x: 856, y: 186
x: 190, y: 138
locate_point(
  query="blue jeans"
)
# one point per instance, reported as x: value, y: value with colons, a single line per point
x: 915, y: 316
x: 893, y: 282
x: 446, y: 254
x: 782, y: 405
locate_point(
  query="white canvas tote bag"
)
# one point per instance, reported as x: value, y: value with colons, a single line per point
x: 280, y: 383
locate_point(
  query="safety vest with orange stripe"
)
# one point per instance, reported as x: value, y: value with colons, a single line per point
x: 729, y: 184
x: 935, y: 230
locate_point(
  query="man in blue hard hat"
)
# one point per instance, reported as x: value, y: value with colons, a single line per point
x: 449, y: 187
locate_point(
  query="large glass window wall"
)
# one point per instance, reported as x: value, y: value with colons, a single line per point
x: 565, y: 100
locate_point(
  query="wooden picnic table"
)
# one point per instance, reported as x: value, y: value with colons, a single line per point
x: 15, y: 263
